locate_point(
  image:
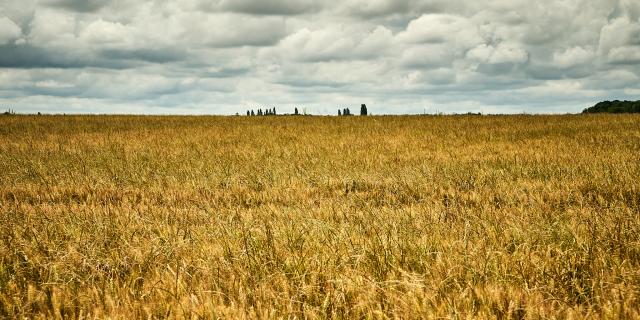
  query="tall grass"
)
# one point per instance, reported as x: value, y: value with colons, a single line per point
x: 320, y: 217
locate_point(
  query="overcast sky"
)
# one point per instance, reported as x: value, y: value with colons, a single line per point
x: 397, y: 56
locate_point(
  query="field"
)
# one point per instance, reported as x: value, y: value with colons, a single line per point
x: 320, y: 217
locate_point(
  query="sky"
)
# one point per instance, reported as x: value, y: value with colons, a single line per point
x: 396, y: 56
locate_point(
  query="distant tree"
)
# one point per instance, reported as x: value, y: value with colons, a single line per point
x: 248, y: 113
x: 295, y: 111
x: 363, y: 110
x: 615, y: 106
x: 339, y: 112
x: 252, y: 113
x: 348, y: 112
x: 274, y: 111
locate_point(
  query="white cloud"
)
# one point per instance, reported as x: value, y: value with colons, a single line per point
x: 572, y: 57
x: 559, y: 88
x: 617, y: 34
x: 102, y: 32
x: 334, y: 43
x: 625, y: 55
x: 427, y: 56
x: 52, y: 28
x: 442, y: 28
x: 231, y: 30
x: 9, y: 31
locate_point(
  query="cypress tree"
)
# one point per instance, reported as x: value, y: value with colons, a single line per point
x: 363, y: 110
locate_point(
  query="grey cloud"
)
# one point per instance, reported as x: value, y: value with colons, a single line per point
x: 310, y: 83
x: 162, y: 55
x: 269, y: 7
x: 33, y: 57
x: 540, y: 71
x: 225, y: 73
x: 387, y: 8
x: 370, y: 9
x: 503, y: 68
x: 613, y: 79
x: 78, y: 5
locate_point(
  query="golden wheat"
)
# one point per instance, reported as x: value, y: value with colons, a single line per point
x: 320, y: 217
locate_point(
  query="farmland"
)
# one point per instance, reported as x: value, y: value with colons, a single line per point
x: 345, y: 217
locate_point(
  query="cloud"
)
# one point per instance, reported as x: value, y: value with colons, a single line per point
x: 442, y: 28
x: 52, y: 28
x: 503, y: 53
x: 163, y: 55
x: 9, y: 31
x: 427, y: 56
x: 376, y: 8
x: 100, y: 32
x: 380, y: 9
x: 334, y: 43
x: 268, y: 7
x: 32, y: 57
x: 572, y: 57
x: 614, y: 79
x: 618, y: 40
x: 625, y: 55
x: 77, y: 5
x: 231, y: 30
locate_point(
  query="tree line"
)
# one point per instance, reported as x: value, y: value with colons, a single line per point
x: 272, y: 112
x: 615, y: 106
x: 265, y: 112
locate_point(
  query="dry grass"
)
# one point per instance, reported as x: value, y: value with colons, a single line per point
x: 317, y: 217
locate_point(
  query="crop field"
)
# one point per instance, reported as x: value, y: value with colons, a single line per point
x: 320, y: 217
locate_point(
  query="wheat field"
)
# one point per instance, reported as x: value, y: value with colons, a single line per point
x: 458, y: 217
